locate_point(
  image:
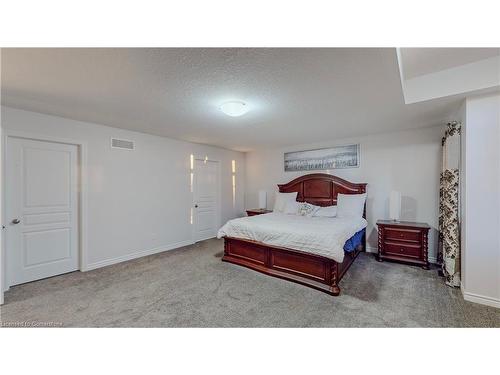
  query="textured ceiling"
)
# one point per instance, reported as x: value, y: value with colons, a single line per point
x: 295, y: 96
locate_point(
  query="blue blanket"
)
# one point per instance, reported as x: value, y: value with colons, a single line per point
x: 353, y: 242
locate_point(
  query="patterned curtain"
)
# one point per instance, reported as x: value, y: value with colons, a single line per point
x: 449, y: 206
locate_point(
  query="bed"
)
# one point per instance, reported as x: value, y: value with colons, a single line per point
x: 314, y: 261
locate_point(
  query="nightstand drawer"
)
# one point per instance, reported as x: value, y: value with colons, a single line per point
x: 403, y: 241
x: 400, y: 234
x: 402, y: 249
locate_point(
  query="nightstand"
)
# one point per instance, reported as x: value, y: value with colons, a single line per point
x: 403, y: 241
x: 257, y: 211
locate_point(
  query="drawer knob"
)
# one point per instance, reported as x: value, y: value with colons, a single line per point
x: 402, y: 250
x: 401, y: 234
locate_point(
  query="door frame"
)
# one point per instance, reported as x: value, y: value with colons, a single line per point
x: 219, y: 194
x: 82, y: 194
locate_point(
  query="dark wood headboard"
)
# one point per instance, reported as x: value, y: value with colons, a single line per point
x: 321, y: 189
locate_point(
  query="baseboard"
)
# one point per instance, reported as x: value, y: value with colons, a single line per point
x: 374, y: 250
x: 206, y: 238
x: 135, y: 255
x: 370, y: 249
x: 483, y: 300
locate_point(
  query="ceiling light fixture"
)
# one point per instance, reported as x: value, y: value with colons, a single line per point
x: 234, y: 108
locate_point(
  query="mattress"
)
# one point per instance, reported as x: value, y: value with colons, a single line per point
x: 315, y: 235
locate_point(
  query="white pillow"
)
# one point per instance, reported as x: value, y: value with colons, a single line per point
x: 329, y: 211
x: 282, y: 199
x: 350, y: 205
x: 307, y: 209
x: 292, y: 208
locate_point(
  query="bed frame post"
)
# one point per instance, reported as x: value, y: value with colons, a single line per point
x: 334, y: 289
x: 226, y: 247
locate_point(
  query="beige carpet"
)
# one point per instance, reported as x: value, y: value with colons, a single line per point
x: 191, y: 287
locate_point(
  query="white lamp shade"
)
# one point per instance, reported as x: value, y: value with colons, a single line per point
x: 262, y: 199
x: 395, y: 205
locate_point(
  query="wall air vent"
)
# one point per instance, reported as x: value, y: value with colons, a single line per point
x: 122, y: 143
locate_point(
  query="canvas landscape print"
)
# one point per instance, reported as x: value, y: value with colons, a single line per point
x: 325, y: 158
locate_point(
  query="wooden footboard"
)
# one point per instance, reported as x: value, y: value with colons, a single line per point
x: 314, y: 271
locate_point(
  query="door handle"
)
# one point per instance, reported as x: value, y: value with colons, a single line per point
x: 195, y: 206
x: 15, y: 221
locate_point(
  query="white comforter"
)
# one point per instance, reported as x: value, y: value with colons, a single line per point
x: 317, y: 235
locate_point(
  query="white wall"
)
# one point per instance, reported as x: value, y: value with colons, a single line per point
x: 2, y: 287
x: 407, y: 161
x: 138, y: 201
x: 481, y: 224
x: 461, y: 117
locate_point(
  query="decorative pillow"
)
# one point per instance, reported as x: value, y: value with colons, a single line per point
x: 329, y: 211
x: 307, y: 209
x: 282, y: 199
x: 292, y: 208
x: 350, y: 205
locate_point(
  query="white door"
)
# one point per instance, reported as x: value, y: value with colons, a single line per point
x: 41, y: 209
x: 206, y: 202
